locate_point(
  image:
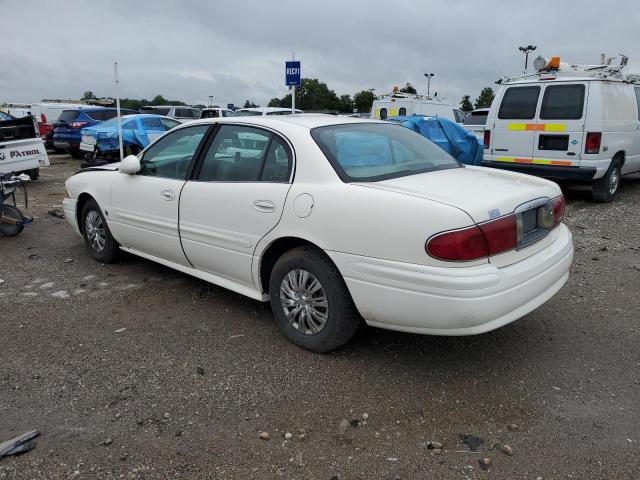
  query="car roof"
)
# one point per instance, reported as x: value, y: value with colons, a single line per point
x: 266, y: 109
x: 480, y: 110
x: 306, y: 120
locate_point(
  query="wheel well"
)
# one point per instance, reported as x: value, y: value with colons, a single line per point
x: 82, y: 199
x: 273, y: 252
x: 620, y: 156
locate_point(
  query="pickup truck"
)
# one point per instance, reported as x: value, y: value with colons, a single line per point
x: 21, y: 148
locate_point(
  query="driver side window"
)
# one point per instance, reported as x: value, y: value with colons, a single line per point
x: 172, y: 155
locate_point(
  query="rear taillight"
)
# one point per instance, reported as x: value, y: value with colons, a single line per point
x: 487, y: 138
x: 43, y: 118
x: 459, y: 245
x: 592, y: 143
x: 495, y: 236
x: 77, y: 124
x: 558, y: 210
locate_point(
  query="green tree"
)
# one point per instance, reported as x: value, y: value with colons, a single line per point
x: 88, y: 95
x: 249, y: 104
x: 485, y: 98
x: 312, y: 94
x: 465, y: 104
x: 346, y: 104
x: 363, y: 100
x: 408, y: 88
x: 159, y: 100
x: 274, y: 102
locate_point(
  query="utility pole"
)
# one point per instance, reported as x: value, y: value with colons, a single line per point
x: 526, y: 50
x: 211, y: 100
x: 429, y: 75
x: 115, y: 74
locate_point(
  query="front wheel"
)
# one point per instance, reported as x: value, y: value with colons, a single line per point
x: 13, y: 225
x: 605, y: 188
x: 310, y: 301
x: 97, y: 237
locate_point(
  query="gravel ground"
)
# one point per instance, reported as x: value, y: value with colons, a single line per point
x: 133, y: 370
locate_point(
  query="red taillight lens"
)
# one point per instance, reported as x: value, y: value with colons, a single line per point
x: 500, y: 234
x: 460, y: 245
x: 43, y: 118
x: 592, y: 143
x: 487, y: 138
x: 558, y: 210
x: 77, y: 124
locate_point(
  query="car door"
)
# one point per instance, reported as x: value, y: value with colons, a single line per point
x: 235, y: 199
x: 560, y: 126
x: 514, y: 129
x: 143, y: 214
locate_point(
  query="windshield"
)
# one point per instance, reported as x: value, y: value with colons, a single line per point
x: 371, y: 152
x: 68, y: 115
x: 4, y: 116
x: 247, y: 113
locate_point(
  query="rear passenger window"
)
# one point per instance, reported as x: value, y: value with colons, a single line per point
x: 402, y: 111
x: 637, y: 90
x: 151, y: 123
x: 562, y: 102
x: 519, y: 103
x: 277, y: 165
x: 236, y: 154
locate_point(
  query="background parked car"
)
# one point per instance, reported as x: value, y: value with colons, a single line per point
x: 217, y: 112
x: 21, y: 148
x: 179, y: 112
x: 138, y: 131
x: 66, y: 135
x: 476, y: 121
x: 261, y: 111
x: 46, y: 115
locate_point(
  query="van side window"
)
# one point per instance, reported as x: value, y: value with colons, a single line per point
x: 402, y: 111
x: 562, y: 102
x: 637, y: 90
x: 519, y: 103
x: 383, y: 113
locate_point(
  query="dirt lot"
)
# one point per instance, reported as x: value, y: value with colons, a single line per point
x: 199, y: 372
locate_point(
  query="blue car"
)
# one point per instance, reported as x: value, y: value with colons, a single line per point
x: 101, y: 140
x: 66, y: 135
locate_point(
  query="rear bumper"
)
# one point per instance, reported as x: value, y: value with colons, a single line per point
x: 553, y: 172
x: 454, y: 300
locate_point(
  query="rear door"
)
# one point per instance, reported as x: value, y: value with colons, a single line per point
x: 236, y: 198
x: 513, y: 135
x: 560, y: 126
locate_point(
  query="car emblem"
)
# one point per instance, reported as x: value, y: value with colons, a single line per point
x: 574, y: 142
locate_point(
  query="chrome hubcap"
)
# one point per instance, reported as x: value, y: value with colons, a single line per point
x: 95, y: 231
x: 614, y: 179
x: 304, y: 302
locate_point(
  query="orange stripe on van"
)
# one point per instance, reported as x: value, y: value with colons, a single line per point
x: 536, y: 127
x: 534, y: 161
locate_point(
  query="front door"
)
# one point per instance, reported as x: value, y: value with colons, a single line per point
x: 234, y: 200
x: 514, y: 131
x: 143, y: 214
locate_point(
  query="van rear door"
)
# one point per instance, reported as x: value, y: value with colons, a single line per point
x: 513, y: 134
x: 560, y: 126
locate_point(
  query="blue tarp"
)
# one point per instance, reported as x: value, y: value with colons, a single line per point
x: 451, y: 137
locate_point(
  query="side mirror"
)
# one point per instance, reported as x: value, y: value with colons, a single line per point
x: 130, y: 165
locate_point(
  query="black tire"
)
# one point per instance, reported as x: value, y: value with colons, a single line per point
x: 605, y: 188
x: 76, y: 153
x: 342, y: 317
x: 34, y: 173
x: 110, y: 252
x: 11, y: 229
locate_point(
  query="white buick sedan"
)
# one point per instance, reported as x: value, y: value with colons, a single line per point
x: 333, y: 220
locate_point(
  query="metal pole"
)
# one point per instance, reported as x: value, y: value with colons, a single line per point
x: 428, y: 86
x: 115, y: 72
x: 293, y: 91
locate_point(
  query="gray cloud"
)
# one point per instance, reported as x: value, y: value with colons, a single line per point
x: 234, y: 50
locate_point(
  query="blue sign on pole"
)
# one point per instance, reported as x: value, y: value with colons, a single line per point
x: 292, y: 74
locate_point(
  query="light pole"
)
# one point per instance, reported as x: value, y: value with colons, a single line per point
x: 429, y: 75
x: 211, y: 100
x: 526, y: 50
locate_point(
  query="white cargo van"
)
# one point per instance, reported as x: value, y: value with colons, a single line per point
x: 399, y: 103
x: 576, y: 123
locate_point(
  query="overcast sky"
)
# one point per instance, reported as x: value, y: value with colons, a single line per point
x: 235, y: 49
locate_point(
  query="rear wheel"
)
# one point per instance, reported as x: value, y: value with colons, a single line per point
x: 12, y: 214
x: 97, y: 237
x: 310, y: 301
x: 605, y: 188
x: 76, y: 153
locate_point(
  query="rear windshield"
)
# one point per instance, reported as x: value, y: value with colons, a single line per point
x: 562, y: 102
x: 187, y: 113
x: 209, y: 114
x: 247, y: 113
x: 372, y: 152
x: 477, y: 118
x: 157, y: 111
x: 519, y: 103
x: 68, y: 115
x: 4, y: 116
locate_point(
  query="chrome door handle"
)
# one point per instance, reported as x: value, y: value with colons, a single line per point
x: 167, y: 195
x: 264, y: 206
